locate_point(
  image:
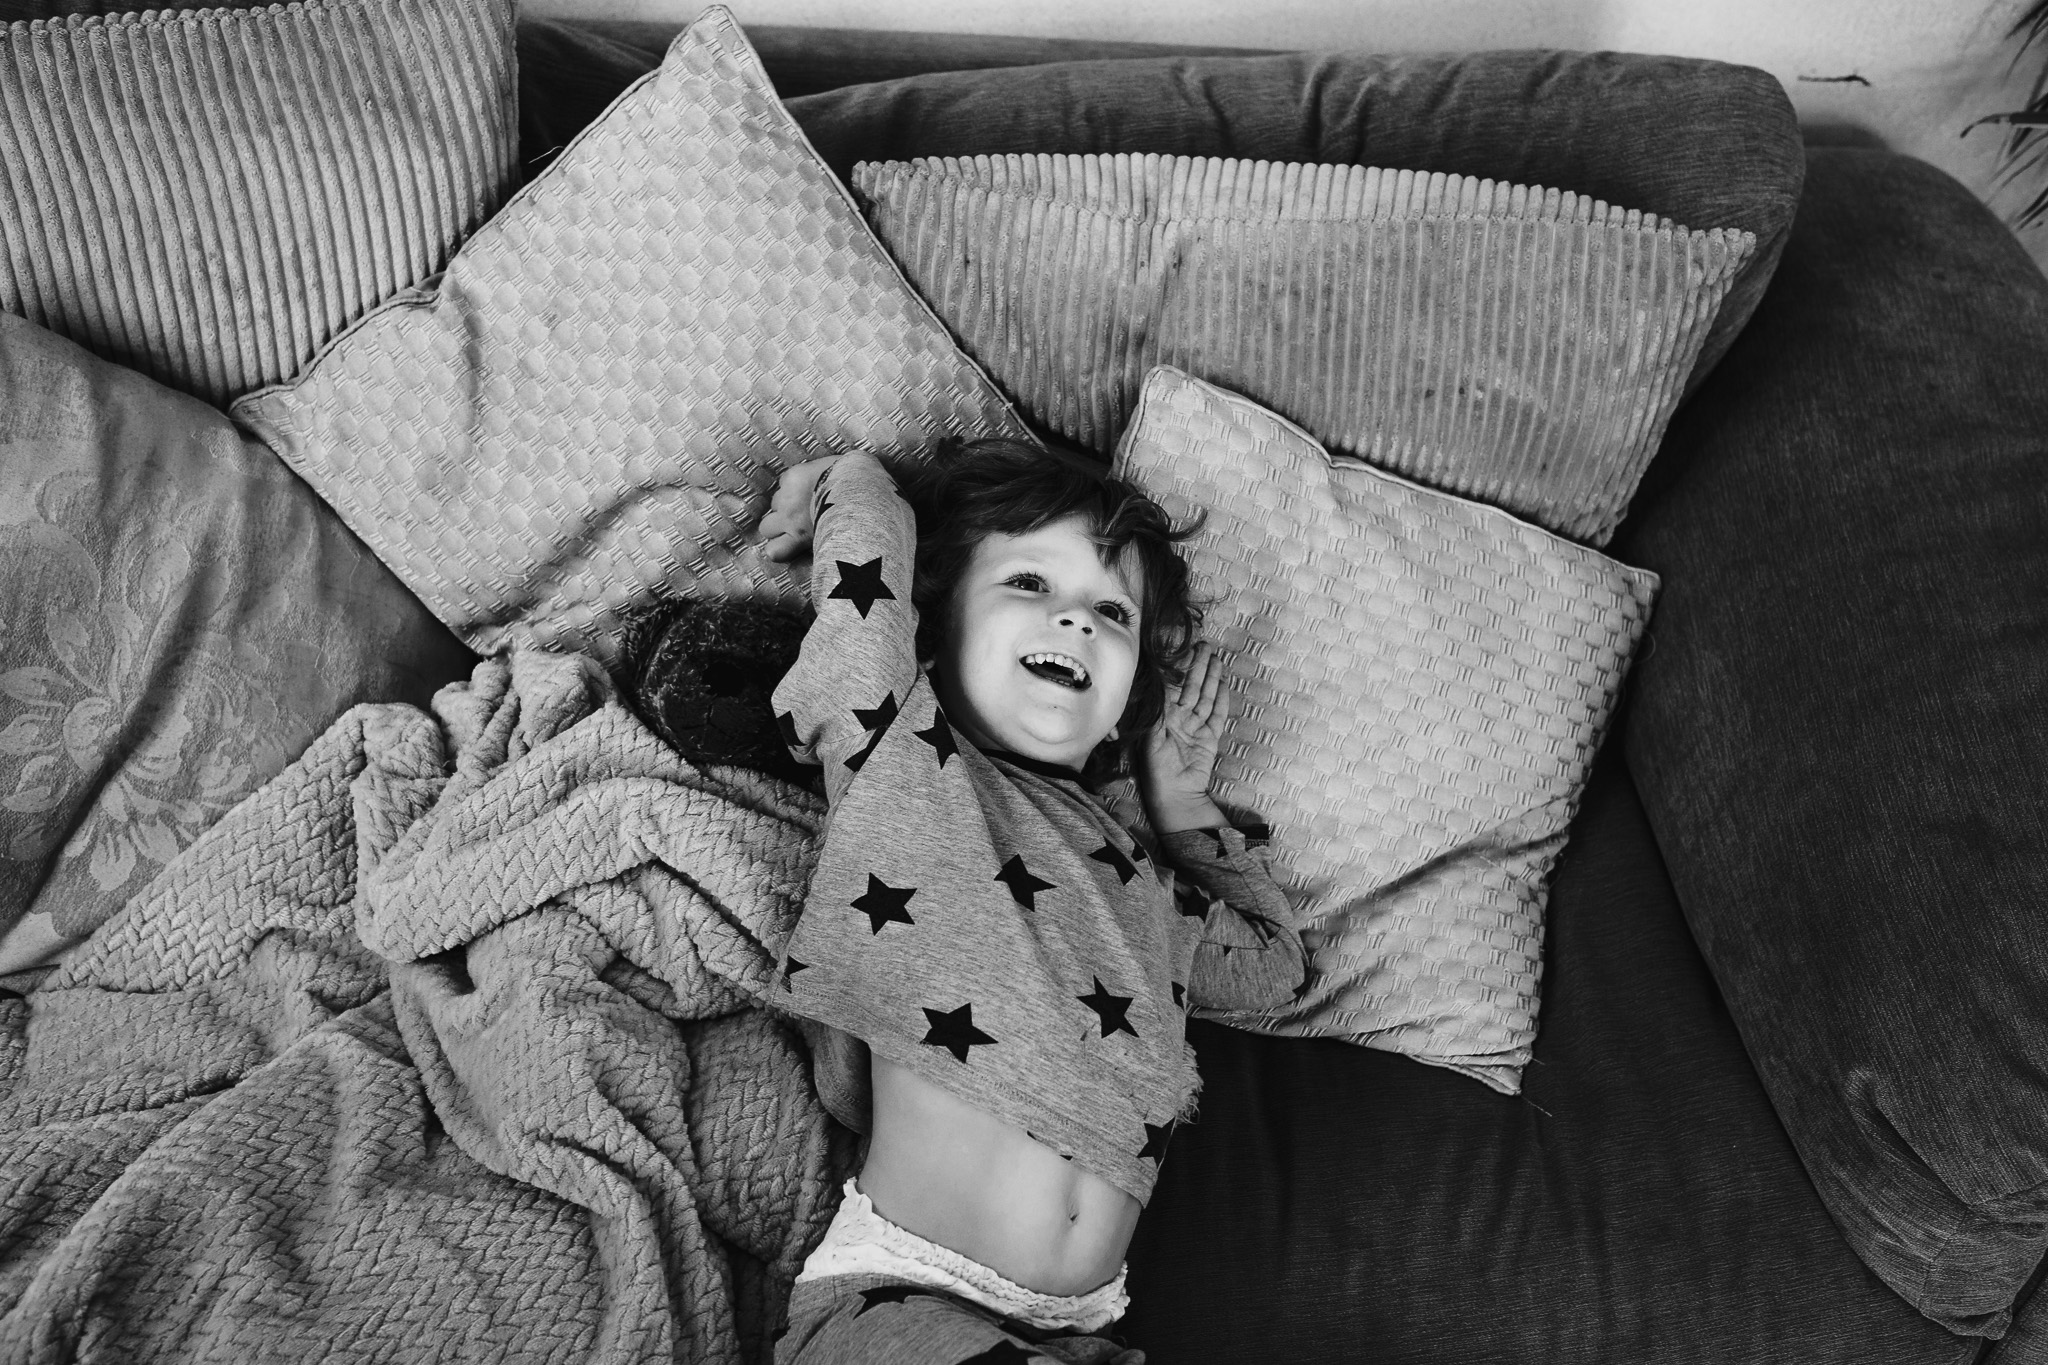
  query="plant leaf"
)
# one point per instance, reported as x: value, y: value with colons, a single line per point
x: 2028, y: 118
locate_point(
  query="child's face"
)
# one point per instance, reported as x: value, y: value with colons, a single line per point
x: 1045, y: 596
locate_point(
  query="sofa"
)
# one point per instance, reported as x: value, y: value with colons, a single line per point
x: 1789, y: 1097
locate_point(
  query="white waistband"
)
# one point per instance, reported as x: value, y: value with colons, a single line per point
x: 863, y: 1242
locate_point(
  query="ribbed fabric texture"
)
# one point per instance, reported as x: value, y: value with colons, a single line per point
x: 209, y: 196
x: 1520, y: 345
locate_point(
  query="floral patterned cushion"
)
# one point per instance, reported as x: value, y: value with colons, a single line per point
x: 179, y: 616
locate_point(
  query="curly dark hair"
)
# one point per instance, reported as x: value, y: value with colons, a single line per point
x: 974, y: 489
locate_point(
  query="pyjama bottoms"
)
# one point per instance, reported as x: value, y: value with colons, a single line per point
x: 870, y: 1320
x: 873, y: 1291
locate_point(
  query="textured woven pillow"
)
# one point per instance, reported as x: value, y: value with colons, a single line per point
x: 207, y: 196
x: 1423, y: 681
x: 1522, y: 346
x: 179, y: 617
x: 590, y: 409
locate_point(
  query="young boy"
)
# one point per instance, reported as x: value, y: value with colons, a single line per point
x: 995, y: 975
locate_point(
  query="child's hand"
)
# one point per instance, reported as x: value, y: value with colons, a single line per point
x: 786, y: 529
x: 1179, y: 758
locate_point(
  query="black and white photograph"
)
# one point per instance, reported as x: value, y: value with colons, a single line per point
x: 889, y: 682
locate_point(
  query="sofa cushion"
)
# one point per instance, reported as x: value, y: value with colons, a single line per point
x: 181, y: 617
x: 1423, y: 683
x: 1519, y: 345
x: 589, y: 409
x: 1637, y: 1204
x: 1699, y: 142
x: 209, y: 194
x: 1838, y: 726
x: 569, y: 69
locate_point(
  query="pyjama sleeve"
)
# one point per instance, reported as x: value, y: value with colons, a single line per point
x: 859, y: 658
x: 1249, y: 955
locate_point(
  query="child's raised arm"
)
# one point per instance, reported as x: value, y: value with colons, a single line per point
x: 1250, y: 955
x: 859, y: 658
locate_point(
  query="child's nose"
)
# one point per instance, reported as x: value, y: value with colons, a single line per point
x: 1076, y: 618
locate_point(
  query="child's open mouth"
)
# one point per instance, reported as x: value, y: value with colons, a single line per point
x: 1060, y: 668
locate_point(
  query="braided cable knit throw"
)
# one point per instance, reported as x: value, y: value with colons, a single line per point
x: 444, y: 1045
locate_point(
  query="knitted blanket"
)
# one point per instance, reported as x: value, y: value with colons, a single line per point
x: 444, y: 1045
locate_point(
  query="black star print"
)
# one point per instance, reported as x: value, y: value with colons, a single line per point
x: 790, y: 970
x: 876, y: 721
x: 883, y: 903
x: 862, y: 585
x: 1138, y: 854
x: 1022, y: 884
x: 940, y: 737
x: 1156, y: 1136
x: 1111, y: 1008
x: 786, y: 722
x: 1180, y: 995
x: 954, y: 1031
x: 1002, y: 1353
x: 1114, y: 856
x: 877, y: 717
x: 1190, y: 901
x: 887, y: 1293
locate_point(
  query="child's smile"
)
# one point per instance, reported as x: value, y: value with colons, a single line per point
x: 1059, y: 668
x: 1041, y: 645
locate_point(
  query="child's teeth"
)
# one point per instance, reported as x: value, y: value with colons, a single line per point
x: 1072, y: 666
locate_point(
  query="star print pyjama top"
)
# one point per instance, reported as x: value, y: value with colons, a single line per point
x: 981, y: 918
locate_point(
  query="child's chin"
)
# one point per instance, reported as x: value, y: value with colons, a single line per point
x: 1067, y: 754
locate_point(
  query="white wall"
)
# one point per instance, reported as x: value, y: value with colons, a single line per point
x: 1927, y: 67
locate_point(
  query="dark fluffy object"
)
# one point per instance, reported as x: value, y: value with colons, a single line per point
x: 701, y: 674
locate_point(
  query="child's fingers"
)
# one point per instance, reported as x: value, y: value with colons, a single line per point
x: 1213, y: 696
x: 1220, y: 715
x: 781, y: 538
x: 1190, y: 689
x: 791, y: 502
x: 1198, y: 688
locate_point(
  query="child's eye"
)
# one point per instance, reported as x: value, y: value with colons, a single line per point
x: 1024, y: 580
x: 1115, y: 611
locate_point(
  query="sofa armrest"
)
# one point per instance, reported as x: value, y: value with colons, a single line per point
x: 1840, y: 723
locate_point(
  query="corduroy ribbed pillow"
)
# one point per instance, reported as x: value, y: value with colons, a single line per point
x: 208, y: 196
x: 590, y: 409
x: 1518, y: 345
x: 1423, y: 682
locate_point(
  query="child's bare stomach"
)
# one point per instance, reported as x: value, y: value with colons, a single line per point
x: 961, y: 1177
